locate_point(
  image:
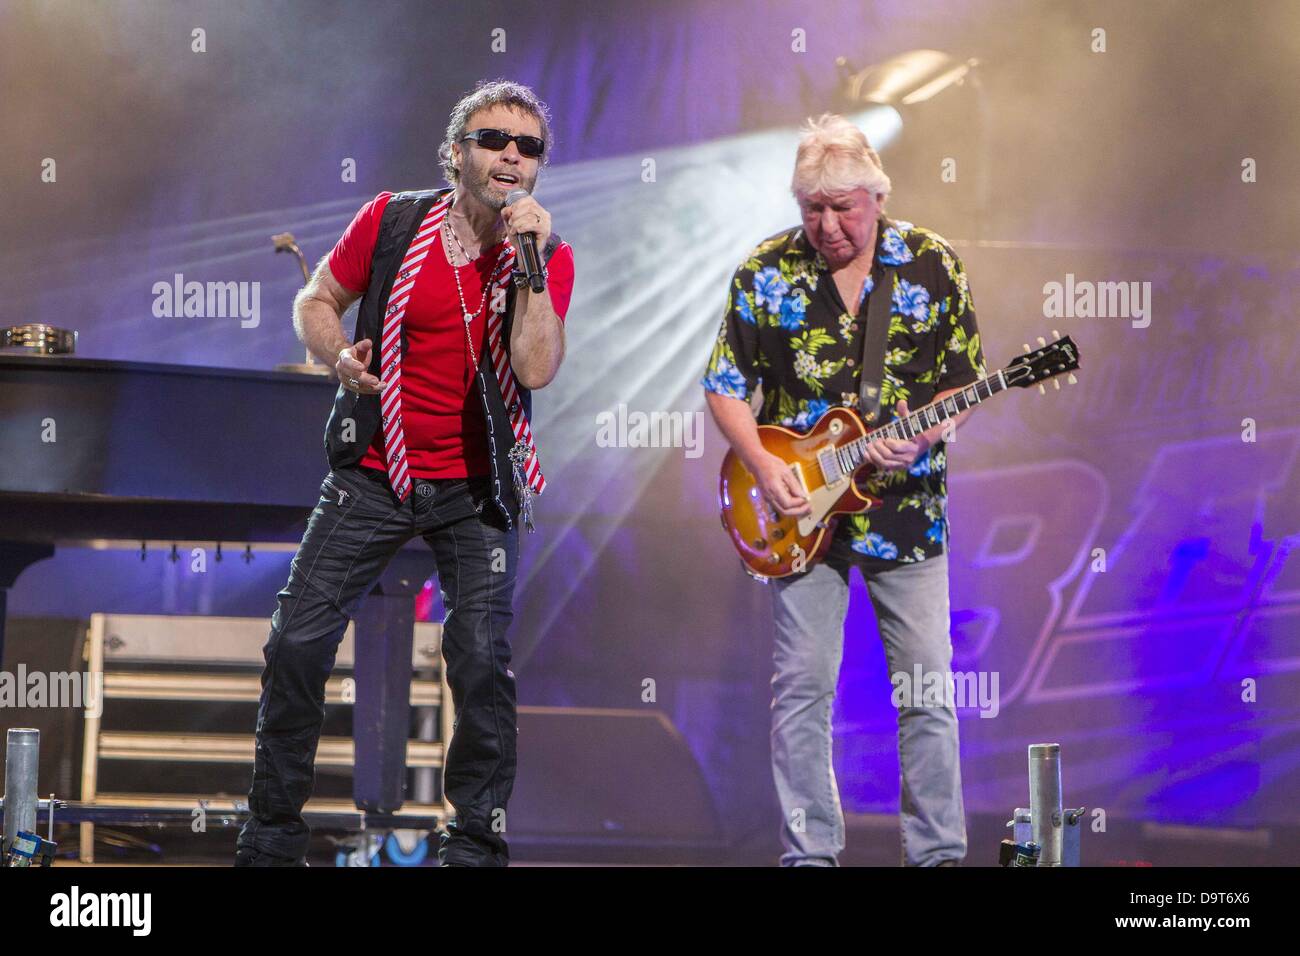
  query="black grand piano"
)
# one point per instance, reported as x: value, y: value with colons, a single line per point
x: 131, y: 451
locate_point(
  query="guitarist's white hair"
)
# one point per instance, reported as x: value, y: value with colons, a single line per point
x: 835, y: 157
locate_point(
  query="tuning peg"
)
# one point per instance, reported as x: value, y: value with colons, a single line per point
x: 1027, y: 348
x: 1055, y: 334
x: 1042, y: 389
x: 1056, y: 384
x: 1041, y: 342
x: 1071, y: 379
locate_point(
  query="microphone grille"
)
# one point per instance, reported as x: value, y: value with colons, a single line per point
x: 515, y: 195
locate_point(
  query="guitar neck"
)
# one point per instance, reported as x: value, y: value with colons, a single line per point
x: 854, y: 453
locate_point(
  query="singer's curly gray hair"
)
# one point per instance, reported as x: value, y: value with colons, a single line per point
x: 486, y: 94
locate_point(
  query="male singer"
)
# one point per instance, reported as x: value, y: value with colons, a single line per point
x: 429, y: 436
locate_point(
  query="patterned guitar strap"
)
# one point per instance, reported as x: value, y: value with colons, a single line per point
x: 872, y: 370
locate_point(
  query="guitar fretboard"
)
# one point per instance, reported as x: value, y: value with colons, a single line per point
x: 852, y: 454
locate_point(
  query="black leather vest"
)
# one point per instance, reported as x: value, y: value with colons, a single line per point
x: 401, y: 220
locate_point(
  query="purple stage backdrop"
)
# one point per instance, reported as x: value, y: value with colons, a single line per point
x: 1122, y: 560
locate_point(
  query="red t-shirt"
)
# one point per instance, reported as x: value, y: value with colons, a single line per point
x: 446, y: 435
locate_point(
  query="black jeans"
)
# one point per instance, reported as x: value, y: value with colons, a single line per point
x: 357, y: 527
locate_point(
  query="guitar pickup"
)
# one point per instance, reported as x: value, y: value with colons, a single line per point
x: 829, y: 462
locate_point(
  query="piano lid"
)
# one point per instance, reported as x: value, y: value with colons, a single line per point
x: 94, y: 438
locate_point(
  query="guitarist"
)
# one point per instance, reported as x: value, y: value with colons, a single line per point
x: 795, y: 323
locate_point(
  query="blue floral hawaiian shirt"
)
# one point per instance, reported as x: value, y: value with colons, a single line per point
x: 786, y: 328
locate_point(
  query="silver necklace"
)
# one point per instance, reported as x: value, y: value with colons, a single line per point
x: 460, y: 290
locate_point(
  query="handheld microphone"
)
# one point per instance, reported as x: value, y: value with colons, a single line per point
x: 528, y: 248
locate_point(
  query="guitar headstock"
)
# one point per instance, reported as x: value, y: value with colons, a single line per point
x: 1047, y: 361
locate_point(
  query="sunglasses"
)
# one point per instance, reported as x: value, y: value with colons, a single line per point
x: 497, y: 140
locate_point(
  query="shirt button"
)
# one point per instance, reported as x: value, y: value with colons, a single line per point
x: 850, y: 363
x: 853, y: 327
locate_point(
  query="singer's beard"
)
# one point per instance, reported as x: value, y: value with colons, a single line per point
x: 478, y: 180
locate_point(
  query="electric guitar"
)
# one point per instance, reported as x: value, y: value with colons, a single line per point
x: 827, y: 460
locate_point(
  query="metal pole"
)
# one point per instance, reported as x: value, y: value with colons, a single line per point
x: 1045, y: 811
x: 22, y: 760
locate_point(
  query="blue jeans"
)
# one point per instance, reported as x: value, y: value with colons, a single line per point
x: 357, y: 527
x: 911, y: 604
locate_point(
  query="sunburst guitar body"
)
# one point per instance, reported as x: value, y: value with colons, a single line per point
x: 827, y: 458
x: 773, y: 545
